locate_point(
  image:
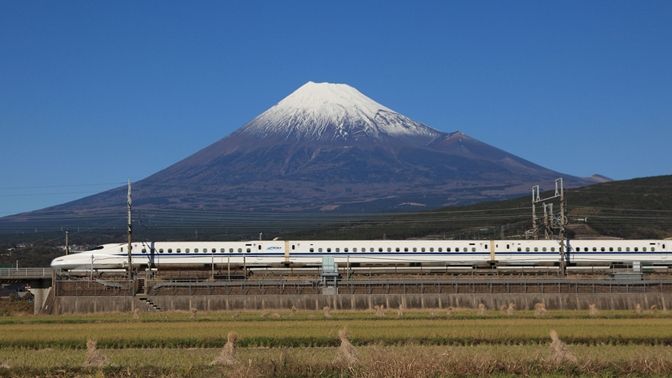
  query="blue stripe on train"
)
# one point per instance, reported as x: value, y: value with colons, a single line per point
x: 304, y: 254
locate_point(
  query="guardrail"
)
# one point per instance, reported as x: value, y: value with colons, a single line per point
x: 10, y: 273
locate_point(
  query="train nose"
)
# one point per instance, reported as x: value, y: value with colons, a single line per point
x: 60, y: 263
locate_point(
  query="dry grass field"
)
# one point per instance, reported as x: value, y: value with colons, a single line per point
x: 387, y: 343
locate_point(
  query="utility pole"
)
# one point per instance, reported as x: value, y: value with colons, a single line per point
x: 130, y: 233
x: 67, y: 244
x: 554, y: 227
x: 563, y: 222
x: 535, y: 199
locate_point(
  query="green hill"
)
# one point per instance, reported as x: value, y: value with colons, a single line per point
x: 637, y: 208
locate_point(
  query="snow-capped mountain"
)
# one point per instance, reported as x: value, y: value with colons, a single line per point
x: 325, y: 112
x: 328, y: 147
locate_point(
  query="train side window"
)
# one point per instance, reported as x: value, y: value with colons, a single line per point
x: 636, y: 249
x: 536, y: 249
x: 312, y: 250
x: 415, y: 250
x: 611, y: 249
x: 440, y: 249
x: 585, y: 249
x: 627, y: 249
x: 121, y: 249
x: 473, y: 249
x: 552, y: 249
x: 259, y: 247
x: 422, y: 249
x: 465, y: 249
x: 319, y: 250
x: 354, y: 250
x: 543, y: 249
x: 170, y: 250
x: 431, y: 249
x: 195, y: 250
x: 520, y: 249
x: 594, y: 249
x: 380, y: 249
x: 186, y: 250
x: 240, y: 250
x: 507, y: 246
x: 328, y: 250
x: 338, y: 250
x: 222, y: 250
x: 405, y: 249
x: 213, y: 250
x: 448, y: 249
x: 248, y: 250
x: 345, y: 249
x: 293, y: 247
x: 230, y: 250
x: 397, y: 249
x: 161, y: 250
x: 653, y: 249
x: 663, y: 246
x: 619, y: 249
x: 179, y: 250
x: 644, y: 249
x: 144, y: 250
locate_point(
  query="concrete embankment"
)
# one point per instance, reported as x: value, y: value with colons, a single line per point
x: 552, y: 301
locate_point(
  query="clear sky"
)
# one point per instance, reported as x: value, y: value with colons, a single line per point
x: 95, y: 92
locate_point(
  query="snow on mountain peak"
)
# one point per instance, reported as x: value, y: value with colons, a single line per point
x: 329, y: 97
x: 327, y: 111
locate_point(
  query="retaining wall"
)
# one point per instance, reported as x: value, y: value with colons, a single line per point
x: 89, y: 304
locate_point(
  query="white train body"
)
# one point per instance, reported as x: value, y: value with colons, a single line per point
x: 177, y: 255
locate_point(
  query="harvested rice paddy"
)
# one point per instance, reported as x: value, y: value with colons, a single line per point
x: 305, y: 343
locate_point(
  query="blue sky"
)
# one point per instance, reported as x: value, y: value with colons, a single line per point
x: 94, y: 92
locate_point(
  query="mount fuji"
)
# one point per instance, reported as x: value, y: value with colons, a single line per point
x: 328, y: 147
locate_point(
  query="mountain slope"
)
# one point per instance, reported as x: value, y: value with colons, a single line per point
x: 630, y: 209
x: 328, y: 147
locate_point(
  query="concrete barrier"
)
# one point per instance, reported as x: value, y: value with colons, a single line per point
x: 553, y: 301
x: 39, y: 298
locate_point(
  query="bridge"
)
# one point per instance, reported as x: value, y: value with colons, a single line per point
x: 24, y: 274
x: 39, y: 281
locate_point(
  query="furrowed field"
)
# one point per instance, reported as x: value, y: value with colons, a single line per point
x: 332, y: 343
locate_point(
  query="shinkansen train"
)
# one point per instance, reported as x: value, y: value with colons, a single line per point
x: 306, y: 253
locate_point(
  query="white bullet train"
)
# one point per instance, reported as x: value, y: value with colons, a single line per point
x: 299, y: 253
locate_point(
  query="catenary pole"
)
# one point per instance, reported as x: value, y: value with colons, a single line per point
x: 130, y: 233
